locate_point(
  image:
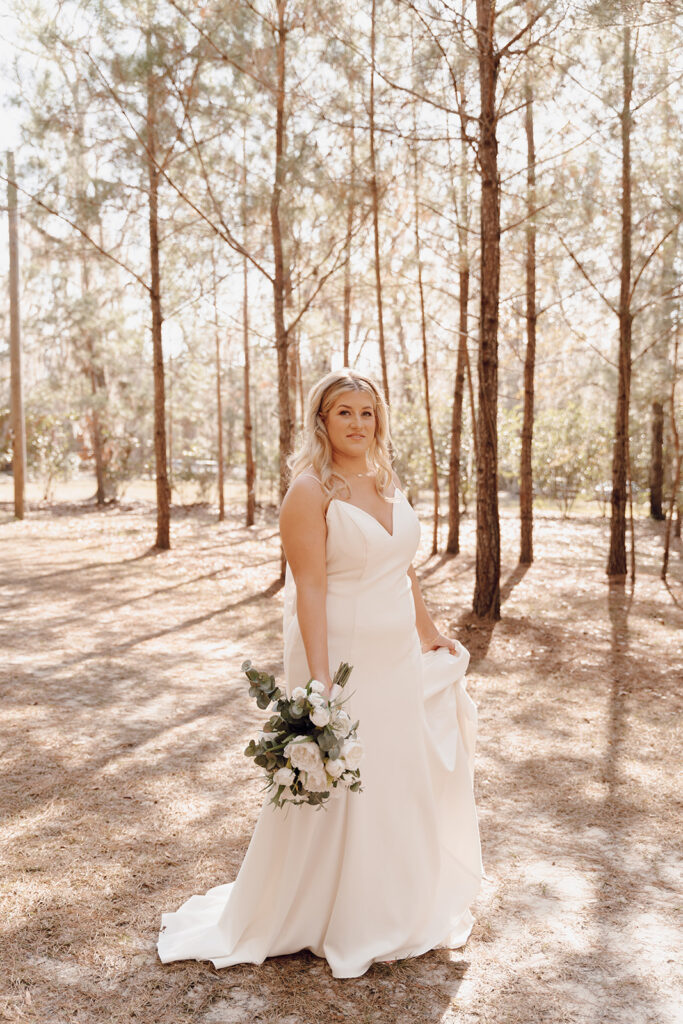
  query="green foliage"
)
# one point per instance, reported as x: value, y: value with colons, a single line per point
x: 570, y: 454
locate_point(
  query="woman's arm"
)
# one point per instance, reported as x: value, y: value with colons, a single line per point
x: 430, y: 637
x: 303, y: 531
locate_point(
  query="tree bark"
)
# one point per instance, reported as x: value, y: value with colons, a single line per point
x: 92, y: 374
x: 169, y: 405
x: 249, y: 465
x: 678, y: 458
x: 163, y: 540
x: 374, y: 193
x: 350, y: 214
x: 462, y: 364
x: 657, y: 461
x: 526, y: 499
x: 486, y: 603
x: 219, y: 396
x: 425, y: 361
x: 453, y: 542
x: 616, y: 564
x: 16, y: 385
x: 279, y: 282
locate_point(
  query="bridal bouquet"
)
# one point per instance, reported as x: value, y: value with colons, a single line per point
x: 308, y: 746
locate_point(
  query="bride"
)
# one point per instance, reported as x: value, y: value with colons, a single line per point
x: 388, y: 872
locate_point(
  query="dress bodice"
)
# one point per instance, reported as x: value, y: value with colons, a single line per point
x: 362, y: 557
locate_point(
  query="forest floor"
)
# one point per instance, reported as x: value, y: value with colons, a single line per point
x: 124, y: 786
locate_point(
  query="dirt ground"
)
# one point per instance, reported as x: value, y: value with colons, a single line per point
x: 124, y: 788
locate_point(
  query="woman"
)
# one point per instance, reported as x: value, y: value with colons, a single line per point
x: 388, y: 872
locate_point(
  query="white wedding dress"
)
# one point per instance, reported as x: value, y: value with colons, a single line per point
x: 388, y: 872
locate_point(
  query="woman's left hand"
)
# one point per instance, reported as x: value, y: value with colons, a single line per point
x: 440, y: 640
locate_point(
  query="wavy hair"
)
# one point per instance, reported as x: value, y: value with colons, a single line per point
x: 315, y: 451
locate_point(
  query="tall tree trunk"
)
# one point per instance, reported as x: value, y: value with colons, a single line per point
x: 169, y: 406
x: 425, y: 359
x: 16, y: 385
x: 249, y: 465
x: 678, y: 458
x: 526, y: 492
x: 486, y: 603
x: 93, y: 378
x: 219, y: 396
x: 250, y: 468
x: 374, y: 193
x: 279, y: 282
x: 350, y: 214
x: 461, y: 207
x: 293, y: 373
x: 453, y: 542
x: 93, y: 373
x: 163, y: 539
x: 616, y: 564
x: 657, y: 461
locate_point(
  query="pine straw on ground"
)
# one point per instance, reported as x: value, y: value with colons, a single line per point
x: 125, y: 790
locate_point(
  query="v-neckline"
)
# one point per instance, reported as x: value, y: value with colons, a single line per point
x: 370, y: 515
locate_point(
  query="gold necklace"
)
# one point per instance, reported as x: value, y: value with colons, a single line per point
x: 367, y: 473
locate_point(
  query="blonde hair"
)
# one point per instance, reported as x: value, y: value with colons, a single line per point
x: 315, y: 451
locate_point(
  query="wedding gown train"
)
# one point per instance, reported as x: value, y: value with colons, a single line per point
x: 382, y: 874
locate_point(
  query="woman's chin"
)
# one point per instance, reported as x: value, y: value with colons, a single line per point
x: 354, y: 449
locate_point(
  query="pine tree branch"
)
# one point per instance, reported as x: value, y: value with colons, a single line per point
x: 72, y: 224
x: 650, y: 255
x: 587, y: 276
x: 220, y: 53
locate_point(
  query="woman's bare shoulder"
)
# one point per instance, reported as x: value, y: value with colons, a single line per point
x: 305, y: 494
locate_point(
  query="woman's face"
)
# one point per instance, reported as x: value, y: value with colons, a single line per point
x: 351, y: 423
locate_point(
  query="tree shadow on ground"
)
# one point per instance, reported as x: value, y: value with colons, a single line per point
x: 127, y: 790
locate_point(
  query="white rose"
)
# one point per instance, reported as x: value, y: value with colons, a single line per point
x: 298, y: 693
x: 316, y: 700
x: 315, y: 686
x: 352, y: 752
x: 319, y: 716
x: 335, y: 767
x: 341, y: 723
x: 283, y: 777
x: 316, y: 781
x: 304, y: 754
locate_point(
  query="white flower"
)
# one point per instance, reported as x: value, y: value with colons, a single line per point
x: 316, y: 781
x: 352, y: 752
x: 336, y: 691
x: 304, y: 754
x: 335, y: 767
x: 319, y: 716
x: 341, y: 723
x: 283, y: 777
x: 265, y: 736
x: 299, y: 694
x: 315, y: 686
x: 317, y: 700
